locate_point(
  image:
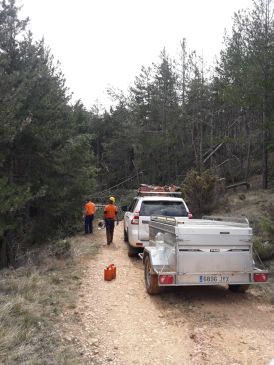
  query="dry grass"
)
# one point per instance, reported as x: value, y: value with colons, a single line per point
x: 32, y: 300
x: 252, y: 204
x: 257, y: 206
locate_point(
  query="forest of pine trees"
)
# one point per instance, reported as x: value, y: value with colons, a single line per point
x: 178, y: 115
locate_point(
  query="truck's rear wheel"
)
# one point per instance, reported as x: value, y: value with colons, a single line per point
x: 132, y: 251
x: 238, y: 288
x: 151, y: 279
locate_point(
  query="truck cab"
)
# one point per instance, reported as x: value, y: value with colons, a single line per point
x: 149, y: 203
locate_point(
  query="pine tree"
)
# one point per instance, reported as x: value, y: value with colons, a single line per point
x: 47, y: 164
x: 247, y: 71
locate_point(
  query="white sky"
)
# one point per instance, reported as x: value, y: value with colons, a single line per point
x: 103, y: 43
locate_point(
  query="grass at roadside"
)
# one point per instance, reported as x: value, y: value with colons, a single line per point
x: 33, y: 299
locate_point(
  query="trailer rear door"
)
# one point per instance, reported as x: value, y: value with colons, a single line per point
x: 214, y: 250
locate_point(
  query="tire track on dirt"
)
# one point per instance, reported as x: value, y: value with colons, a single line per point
x: 131, y: 326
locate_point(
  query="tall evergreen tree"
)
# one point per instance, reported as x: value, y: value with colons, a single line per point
x: 46, y: 163
x: 247, y: 71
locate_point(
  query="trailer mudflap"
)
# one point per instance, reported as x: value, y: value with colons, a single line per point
x: 162, y: 259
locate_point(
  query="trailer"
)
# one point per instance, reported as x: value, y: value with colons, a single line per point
x: 208, y: 251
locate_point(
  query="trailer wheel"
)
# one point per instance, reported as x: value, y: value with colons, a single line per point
x: 240, y: 288
x: 151, y: 279
x: 125, y: 236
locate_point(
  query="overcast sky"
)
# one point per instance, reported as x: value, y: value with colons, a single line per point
x: 103, y: 43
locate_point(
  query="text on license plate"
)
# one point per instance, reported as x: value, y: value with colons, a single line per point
x: 214, y: 279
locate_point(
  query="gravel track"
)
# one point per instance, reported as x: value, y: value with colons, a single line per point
x: 117, y: 322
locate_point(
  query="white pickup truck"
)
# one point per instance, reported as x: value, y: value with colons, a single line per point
x: 137, y: 216
x: 211, y: 251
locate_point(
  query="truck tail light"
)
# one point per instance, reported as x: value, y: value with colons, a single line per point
x: 135, y: 220
x: 260, y: 277
x: 190, y: 216
x: 166, y: 279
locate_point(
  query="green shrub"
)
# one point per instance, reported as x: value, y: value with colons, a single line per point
x: 264, y: 243
x: 200, y: 191
x: 267, y: 226
x: 264, y: 250
x: 61, y: 249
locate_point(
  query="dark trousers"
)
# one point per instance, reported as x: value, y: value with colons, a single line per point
x: 109, y: 222
x: 88, y: 223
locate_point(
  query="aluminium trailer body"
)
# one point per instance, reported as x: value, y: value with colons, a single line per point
x: 212, y: 251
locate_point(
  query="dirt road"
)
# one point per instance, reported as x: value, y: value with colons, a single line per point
x: 117, y: 322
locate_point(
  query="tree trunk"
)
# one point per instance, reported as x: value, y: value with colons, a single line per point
x: 265, y: 162
x: 265, y: 154
x: 3, y: 254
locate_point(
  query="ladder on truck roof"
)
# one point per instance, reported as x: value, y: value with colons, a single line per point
x: 150, y: 190
x: 159, y: 193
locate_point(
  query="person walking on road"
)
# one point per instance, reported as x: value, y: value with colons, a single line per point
x: 110, y: 216
x: 89, y: 211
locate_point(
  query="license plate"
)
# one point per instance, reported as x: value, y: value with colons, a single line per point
x: 214, y: 279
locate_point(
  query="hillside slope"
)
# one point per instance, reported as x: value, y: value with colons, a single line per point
x: 258, y: 207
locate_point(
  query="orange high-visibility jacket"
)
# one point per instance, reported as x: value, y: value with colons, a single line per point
x: 90, y: 208
x: 110, y: 211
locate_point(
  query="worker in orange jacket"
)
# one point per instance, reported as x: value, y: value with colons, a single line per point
x: 110, y: 216
x: 89, y: 211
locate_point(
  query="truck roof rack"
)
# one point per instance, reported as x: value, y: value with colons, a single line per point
x: 166, y: 190
x: 159, y: 193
